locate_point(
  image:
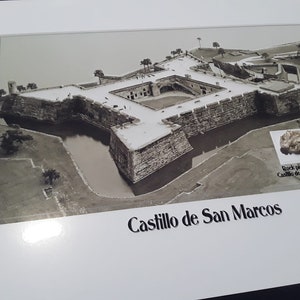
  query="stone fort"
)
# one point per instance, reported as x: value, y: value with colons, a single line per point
x: 151, y: 116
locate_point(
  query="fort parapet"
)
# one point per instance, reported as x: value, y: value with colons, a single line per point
x: 138, y: 163
x: 287, y: 102
x: 217, y: 114
x: 77, y: 108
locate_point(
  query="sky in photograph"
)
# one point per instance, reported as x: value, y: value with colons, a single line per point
x: 58, y: 59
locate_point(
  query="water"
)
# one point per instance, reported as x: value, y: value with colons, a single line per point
x: 98, y: 167
x: 57, y: 59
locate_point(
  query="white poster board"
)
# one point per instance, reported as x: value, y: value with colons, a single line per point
x: 191, y: 250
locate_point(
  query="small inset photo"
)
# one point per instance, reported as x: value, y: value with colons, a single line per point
x: 287, y: 145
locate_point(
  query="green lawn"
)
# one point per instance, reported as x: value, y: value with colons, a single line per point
x: 207, y: 53
x: 247, y: 166
x: 21, y: 192
x: 21, y: 185
x: 280, y: 49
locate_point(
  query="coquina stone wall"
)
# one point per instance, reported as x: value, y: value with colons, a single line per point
x: 217, y: 114
x: 77, y: 108
x: 174, y: 82
x: 121, y: 155
x: 135, y: 92
x: 231, y: 69
x: 280, y: 104
x: 140, y: 163
x: 188, y: 85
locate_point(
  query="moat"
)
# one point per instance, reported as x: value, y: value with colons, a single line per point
x: 89, y: 148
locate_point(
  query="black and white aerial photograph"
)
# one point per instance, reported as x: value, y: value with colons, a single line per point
x: 102, y: 121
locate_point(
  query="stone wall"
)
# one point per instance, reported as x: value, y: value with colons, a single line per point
x: 134, y: 92
x: 175, y: 82
x: 267, y: 103
x: 280, y: 104
x: 138, y: 164
x: 217, y: 114
x: 201, y: 88
x: 29, y: 108
x: 288, y: 102
x: 231, y: 69
x: 121, y: 155
x: 187, y: 85
x: 77, y: 108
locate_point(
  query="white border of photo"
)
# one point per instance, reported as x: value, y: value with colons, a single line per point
x: 43, y: 16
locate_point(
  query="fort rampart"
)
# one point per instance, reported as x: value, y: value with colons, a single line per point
x: 231, y: 69
x: 280, y: 104
x: 77, y: 108
x: 217, y: 114
x: 140, y: 163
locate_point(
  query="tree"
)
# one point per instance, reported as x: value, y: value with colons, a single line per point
x: 8, y: 145
x: 199, y: 40
x: 50, y: 175
x: 221, y: 51
x: 143, y: 62
x: 99, y: 73
x: 21, y: 88
x: 298, y: 52
x: 11, y: 140
x: 2, y: 92
x: 31, y: 86
x: 266, y: 56
x: 216, y: 45
x: 146, y: 62
x: 168, y: 57
x: 178, y: 51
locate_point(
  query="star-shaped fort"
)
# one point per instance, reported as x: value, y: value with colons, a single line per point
x: 152, y: 113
